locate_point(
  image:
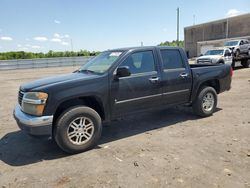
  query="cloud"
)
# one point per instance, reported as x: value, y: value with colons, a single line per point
x: 22, y: 49
x: 41, y: 39
x: 233, y: 12
x: 56, y: 40
x: 36, y: 47
x: 57, y: 35
x: 57, y: 21
x: 19, y: 45
x: 66, y: 36
x: 65, y: 43
x: 6, y: 38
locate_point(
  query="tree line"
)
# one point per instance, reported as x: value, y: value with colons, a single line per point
x: 173, y: 43
x: 50, y: 54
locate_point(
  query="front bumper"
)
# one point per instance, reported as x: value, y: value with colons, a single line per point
x: 34, y: 125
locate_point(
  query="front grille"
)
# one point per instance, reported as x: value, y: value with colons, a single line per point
x: 20, y: 97
x: 204, y: 61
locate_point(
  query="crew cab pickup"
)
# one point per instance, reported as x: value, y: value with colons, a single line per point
x: 72, y: 107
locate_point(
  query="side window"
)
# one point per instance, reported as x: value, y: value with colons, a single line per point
x: 246, y: 42
x: 241, y: 42
x: 171, y: 59
x: 227, y: 53
x: 140, y: 62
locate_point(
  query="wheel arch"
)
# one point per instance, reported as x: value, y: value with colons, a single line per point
x: 212, y: 83
x: 93, y: 102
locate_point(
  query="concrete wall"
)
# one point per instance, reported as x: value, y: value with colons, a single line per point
x: 234, y: 27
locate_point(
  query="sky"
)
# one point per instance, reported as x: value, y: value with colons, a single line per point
x: 97, y: 25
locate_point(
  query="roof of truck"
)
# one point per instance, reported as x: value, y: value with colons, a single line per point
x: 143, y: 48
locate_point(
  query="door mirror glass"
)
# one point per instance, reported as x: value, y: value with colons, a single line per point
x: 123, y: 72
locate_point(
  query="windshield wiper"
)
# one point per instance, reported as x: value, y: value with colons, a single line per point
x: 87, y: 71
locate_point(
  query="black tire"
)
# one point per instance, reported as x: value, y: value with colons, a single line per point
x: 221, y: 62
x: 233, y: 65
x: 198, y: 103
x: 64, y: 122
x: 245, y: 63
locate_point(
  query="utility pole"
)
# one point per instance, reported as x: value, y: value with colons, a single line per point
x: 178, y: 10
x: 141, y: 43
x: 194, y: 19
x: 227, y: 29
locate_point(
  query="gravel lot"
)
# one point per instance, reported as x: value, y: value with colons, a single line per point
x: 169, y: 148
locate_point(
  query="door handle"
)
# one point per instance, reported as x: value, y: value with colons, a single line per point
x: 184, y: 75
x: 154, y: 79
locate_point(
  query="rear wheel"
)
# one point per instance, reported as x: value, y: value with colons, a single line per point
x: 205, y: 102
x: 78, y: 129
x: 245, y: 63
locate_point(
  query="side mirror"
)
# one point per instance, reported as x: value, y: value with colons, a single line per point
x: 227, y: 54
x: 201, y: 55
x: 123, y: 72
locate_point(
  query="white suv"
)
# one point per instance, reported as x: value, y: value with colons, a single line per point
x: 216, y: 56
x: 241, y: 46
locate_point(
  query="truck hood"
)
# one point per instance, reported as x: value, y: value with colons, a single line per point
x: 210, y: 57
x: 56, y: 80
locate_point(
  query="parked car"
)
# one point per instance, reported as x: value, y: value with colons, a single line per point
x: 72, y: 107
x: 216, y: 56
x: 238, y: 47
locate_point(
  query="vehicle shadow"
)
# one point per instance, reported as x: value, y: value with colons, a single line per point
x: 19, y: 149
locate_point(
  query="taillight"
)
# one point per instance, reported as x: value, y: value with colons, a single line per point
x: 231, y: 72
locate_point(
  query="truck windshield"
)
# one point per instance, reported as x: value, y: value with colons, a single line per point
x: 214, y: 52
x: 101, y: 63
x: 231, y: 43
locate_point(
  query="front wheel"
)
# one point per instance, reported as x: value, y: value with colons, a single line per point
x: 78, y: 129
x: 205, y: 102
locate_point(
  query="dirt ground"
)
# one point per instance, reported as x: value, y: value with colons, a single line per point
x: 168, y: 148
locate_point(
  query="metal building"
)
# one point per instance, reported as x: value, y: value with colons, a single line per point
x: 202, y: 37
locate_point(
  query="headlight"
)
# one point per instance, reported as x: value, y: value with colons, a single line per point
x: 34, y: 103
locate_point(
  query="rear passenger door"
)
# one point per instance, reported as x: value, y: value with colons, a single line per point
x: 246, y: 46
x: 176, y: 77
x: 242, y: 46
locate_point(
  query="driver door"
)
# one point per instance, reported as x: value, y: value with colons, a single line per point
x: 139, y: 91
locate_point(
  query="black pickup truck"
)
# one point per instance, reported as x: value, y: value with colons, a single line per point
x: 72, y: 107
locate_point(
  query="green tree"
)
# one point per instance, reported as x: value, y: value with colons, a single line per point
x: 173, y: 43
